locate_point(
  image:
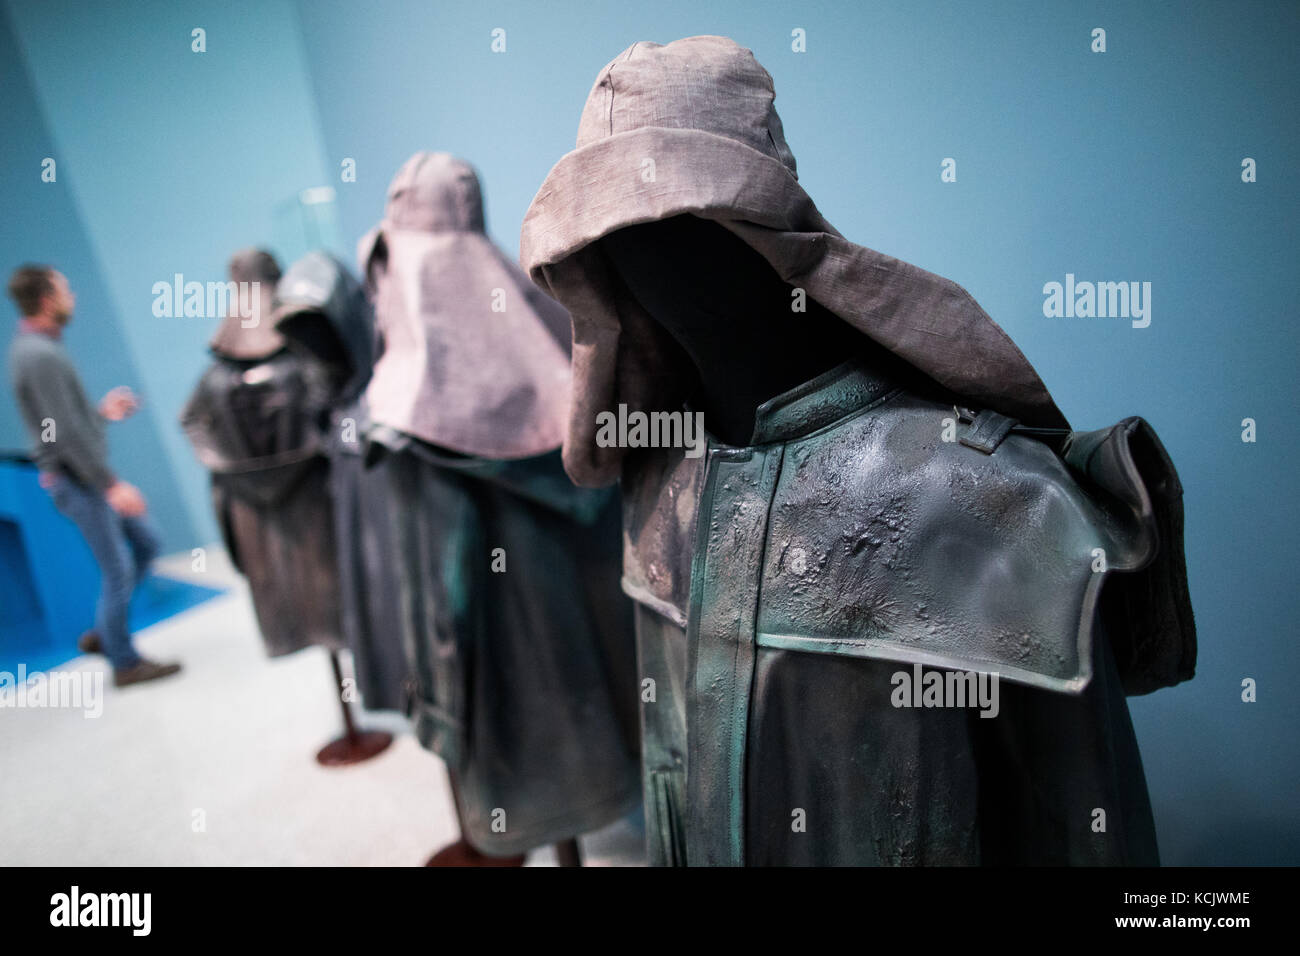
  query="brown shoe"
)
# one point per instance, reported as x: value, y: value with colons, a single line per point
x: 461, y: 853
x: 89, y: 643
x: 145, y: 670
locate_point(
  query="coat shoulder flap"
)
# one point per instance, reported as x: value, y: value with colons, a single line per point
x: 904, y: 534
x: 1147, y: 610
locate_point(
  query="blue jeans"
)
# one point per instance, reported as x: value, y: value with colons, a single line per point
x: 123, y: 548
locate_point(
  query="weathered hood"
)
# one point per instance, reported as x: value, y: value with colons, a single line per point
x: 323, y: 308
x: 475, y: 357
x: 435, y: 192
x: 691, y: 128
x: 243, y: 337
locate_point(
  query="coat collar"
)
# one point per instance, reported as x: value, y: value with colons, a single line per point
x: 831, y: 396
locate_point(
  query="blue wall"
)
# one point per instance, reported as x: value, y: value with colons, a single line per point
x: 171, y: 160
x: 43, y: 224
x: 1115, y: 166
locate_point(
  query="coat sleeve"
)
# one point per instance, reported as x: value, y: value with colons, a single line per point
x: 1147, y: 611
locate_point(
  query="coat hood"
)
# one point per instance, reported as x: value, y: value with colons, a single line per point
x: 239, y: 336
x: 435, y: 192
x: 475, y: 357
x: 320, y: 306
x: 691, y: 128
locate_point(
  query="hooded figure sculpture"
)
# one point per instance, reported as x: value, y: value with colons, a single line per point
x: 324, y: 311
x: 519, y: 639
x: 891, y: 510
x: 258, y: 421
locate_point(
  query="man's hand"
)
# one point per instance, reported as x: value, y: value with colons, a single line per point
x: 118, y: 404
x: 125, y: 499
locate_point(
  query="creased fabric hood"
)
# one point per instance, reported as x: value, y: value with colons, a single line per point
x: 260, y: 340
x: 690, y: 128
x: 475, y: 357
x: 322, y: 307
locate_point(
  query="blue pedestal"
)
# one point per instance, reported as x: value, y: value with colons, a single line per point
x: 49, y: 581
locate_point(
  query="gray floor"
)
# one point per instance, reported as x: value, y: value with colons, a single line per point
x: 215, y: 766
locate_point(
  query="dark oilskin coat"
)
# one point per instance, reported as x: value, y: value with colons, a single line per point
x: 324, y: 313
x: 520, y: 642
x: 259, y: 425
x: 847, y: 543
x: 299, y: 516
x: 874, y: 522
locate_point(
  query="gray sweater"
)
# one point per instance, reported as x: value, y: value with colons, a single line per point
x: 66, y: 430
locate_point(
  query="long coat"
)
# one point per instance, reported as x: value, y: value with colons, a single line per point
x: 256, y: 421
x: 519, y: 640
x: 274, y: 419
x: 324, y: 312
x: 788, y: 589
x: 813, y: 574
x: 367, y: 558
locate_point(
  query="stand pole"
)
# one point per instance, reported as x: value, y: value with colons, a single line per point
x: 355, y: 745
x: 568, y: 853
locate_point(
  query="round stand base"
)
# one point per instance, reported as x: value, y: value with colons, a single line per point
x: 354, y: 748
x: 461, y: 853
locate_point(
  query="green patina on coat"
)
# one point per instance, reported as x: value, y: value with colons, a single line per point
x: 519, y: 641
x: 781, y: 585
